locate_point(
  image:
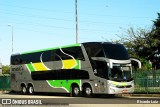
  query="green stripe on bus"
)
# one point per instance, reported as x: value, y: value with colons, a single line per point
x: 31, y: 68
x: 120, y: 83
x: 63, y: 83
x: 78, y: 64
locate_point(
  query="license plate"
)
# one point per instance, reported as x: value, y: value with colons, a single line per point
x: 124, y: 91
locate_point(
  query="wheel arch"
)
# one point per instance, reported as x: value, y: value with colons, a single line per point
x: 30, y: 84
x: 84, y: 87
x: 75, y: 84
x: 23, y: 84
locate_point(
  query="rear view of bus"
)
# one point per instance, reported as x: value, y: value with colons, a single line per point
x: 111, y: 65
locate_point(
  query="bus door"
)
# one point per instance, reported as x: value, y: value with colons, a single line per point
x: 100, y: 69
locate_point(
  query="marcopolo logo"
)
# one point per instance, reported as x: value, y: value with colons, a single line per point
x: 17, y: 68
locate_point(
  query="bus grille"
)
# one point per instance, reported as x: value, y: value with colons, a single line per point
x: 128, y: 86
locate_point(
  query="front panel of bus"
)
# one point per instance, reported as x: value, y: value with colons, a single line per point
x: 112, y: 68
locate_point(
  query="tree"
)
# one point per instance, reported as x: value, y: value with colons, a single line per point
x: 156, y: 30
x: 142, y: 43
x: 155, y: 57
x: 138, y: 42
x: 6, y: 69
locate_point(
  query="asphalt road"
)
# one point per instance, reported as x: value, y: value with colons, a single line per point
x: 66, y: 100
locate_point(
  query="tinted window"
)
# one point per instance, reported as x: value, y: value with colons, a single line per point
x: 100, y: 68
x: 32, y: 57
x: 94, y: 50
x: 45, y: 56
x: 63, y: 74
x: 68, y: 53
x: 115, y: 51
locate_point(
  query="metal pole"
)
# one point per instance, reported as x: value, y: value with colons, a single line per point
x: 12, y: 39
x: 76, y: 22
x: 12, y: 36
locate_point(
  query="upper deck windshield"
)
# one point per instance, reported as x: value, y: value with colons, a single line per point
x: 108, y: 50
x: 115, y: 51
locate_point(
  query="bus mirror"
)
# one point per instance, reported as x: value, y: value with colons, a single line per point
x: 136, y: 63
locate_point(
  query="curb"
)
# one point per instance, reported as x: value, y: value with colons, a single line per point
x: 140, y: 95
x: 4, y: 91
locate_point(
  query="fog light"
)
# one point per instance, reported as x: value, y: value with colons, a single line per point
x: 96, y: 84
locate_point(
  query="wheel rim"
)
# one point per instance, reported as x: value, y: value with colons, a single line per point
x: 24, y: 89
x: 30, y: 90
x: 88, y: 91
x: 76, y: 90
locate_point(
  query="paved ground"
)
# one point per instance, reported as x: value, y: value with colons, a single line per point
x: 100, y: 101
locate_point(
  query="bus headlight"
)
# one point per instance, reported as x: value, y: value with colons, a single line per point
x: 96, y: 84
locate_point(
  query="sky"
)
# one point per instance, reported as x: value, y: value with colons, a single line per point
x: 39, y: 24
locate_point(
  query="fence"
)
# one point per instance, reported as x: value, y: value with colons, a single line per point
x: 4, y: 82
x: 147, y: 81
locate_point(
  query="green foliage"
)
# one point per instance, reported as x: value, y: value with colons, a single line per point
x: 146, y: 64
x: 156, y: 30
x: 6, y: 69
x: 142, y: 42
x: 157, y: 21
x: 139, y: 42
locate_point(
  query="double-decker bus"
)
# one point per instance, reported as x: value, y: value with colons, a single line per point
x: 81, y: 69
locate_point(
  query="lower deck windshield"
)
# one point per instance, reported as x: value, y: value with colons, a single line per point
x: 120, y: 73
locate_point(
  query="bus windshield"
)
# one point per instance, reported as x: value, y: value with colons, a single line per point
x: 115, y: 51
x: 120, y: 73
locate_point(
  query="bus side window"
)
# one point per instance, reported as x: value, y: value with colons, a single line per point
x: 18, y: 61
x: 75, y: 52
x: 53, y: 55
x: 94, y: 51
x: 15, y: 60
x: 100, y: 68
x: 79, y: 53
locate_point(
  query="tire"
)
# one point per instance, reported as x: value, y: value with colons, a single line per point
x: 87, y: 91
x: 76, y: 91
x: 30, y: 90
x: 23, y: 90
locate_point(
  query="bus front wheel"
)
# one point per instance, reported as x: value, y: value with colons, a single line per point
x: 87, y: 91
x: 75, y: 91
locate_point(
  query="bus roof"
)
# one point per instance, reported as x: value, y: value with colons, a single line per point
x: 46, y: 49
x: 66, y: 46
